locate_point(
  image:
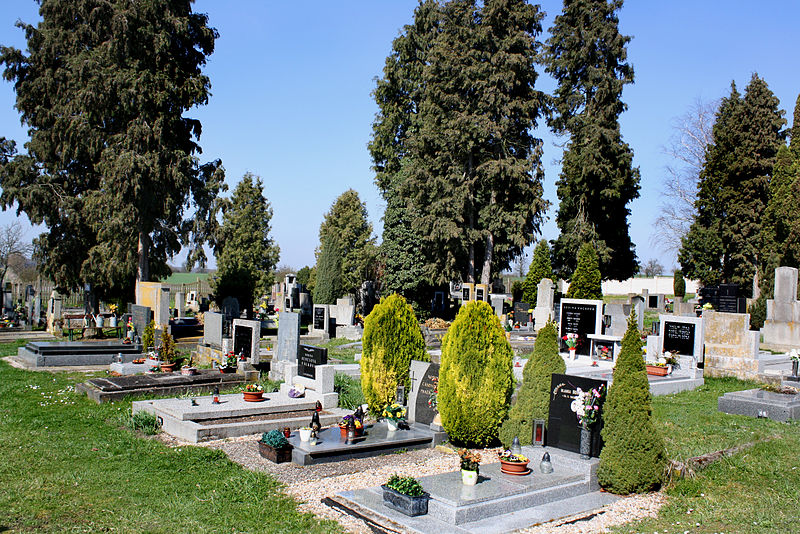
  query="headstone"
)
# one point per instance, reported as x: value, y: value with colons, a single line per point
x: 230, y: 308
x: 53, y: 311
x: 212, y: 329
x: 456, y: 290
x: 563, y: 428
x: 37, y: 309
x: 545, y: 295
x: 729, y: 301
x: 288, y: 336
x: 637, y: 303
x: 246, y: 335
x: 682, y: 335
x: 521, y: 314
x: 616, y: 321
x: 782, y: 328
x: 141, y: 317
x: 424, y: 376
x: 467, y: 291
x: 320, y: 321
x: 308, y: 358
x: 481, y: 292
x: 345, y: 312
x: 163, y: 308
x: 497, y: 304
x: 179, y: 304
x: 582, y: 317
x: 731, y: 348
x: 305, y: 303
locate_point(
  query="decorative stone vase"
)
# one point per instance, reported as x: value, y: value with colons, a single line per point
x: 656, y: 370
x: 277, y: 456
x: 253, y: 396
x: 405, y: 504
x: 586, y: 441
x: 573, y: 354
x: 391, y: 425
x: 514, y: 468
x: 469, y: 478
x: 305, y: 434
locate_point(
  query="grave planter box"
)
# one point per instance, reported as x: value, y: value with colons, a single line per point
x: 277, y: 456
x: 656, y: 370
x: 405, y: 504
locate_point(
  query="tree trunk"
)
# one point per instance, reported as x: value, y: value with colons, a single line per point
x: 471, y: 266
x: 486, y: 273
x: 143, y: 273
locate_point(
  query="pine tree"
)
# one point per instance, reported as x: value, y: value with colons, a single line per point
x: 533, y: 398
x: 586, y: 55
x: 246, y: 254
x: 586, y: 282
x: 540, y: 269
x: 678, y: 284
x: 633, y: 458
x: 457, y: 110
x: 347, y: 221
x: 328, y: 281
x: 392, y: 339
x: 112, y: 188
x: 726, y: 241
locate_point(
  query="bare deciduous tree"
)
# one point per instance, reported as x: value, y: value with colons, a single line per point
x: 12, y: 247
x: 653, y: 268
x: 687, y: 146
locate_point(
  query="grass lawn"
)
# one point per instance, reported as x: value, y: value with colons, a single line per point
x: 346, y: 355
x: 68, y: 466
x: 757, y: 490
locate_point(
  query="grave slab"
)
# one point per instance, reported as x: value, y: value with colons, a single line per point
x: 760, y: 403
x: 76, y: 353
x: 119, y: 387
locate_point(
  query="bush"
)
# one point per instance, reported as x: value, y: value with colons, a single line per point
x: 143, y: 422
x: 758, y: 312
x: 275, y: 439
x: 167, y: 350
x: 540, y: 269
x: 476, y: 376
x: 633, y: 459
x: 678, y: 284
x: 349, y: 390
x: 149, y: 336
x: 586, y: 280
x: 406, y: 485
x: 391, y: 339
x: 533, y: 398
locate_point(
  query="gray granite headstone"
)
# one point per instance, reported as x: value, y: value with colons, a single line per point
x: 37, y: 309
x: 180, y: 302
x: 163, y: 307
x: 423, y: 383
x: 345, y: 311
x: 212, y: 329
x: 288, y: 336
x: 141, y: 316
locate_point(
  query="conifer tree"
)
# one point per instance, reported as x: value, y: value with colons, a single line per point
x: 678, y: 284
x: 586, y: 55
x: 112, y: 188
x: 540, y: 269
x: 328, y: 282
x: 726, y: 241
x: 633, y: 458
x: 246, y: 253
x: 533, y: 397
x: 586, y: 282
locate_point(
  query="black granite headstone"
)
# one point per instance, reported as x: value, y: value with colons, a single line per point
x: 423, y: 412
x: 479, y: 296
x: 319, y: 318
x: 679, y: 337
x: 652, y: 301
x: 308, y: 358
x: 242, y: 340
x: 728, y: 299
x: 579, y: 319
x: 563, y: 427
x: 521, y: 312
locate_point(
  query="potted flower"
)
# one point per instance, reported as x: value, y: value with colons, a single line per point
x: 230, y: 363
x: 393, y: 414
x: 586, y: 406
x: 357, y: 423
x: 274, y: 446
x: 253, y: 393
x: 571, y: 340
x: 513, y: 464
x: 168, y: 354
x: 469, y: 466
x: 188, y: 369
x: 305, y: 433
x: 406, y: 495
x: 658, y: 368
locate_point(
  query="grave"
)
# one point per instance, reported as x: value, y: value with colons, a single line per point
x: 246, y: 337
x: 582, y: 317
x: 781, y: 329
x: 287, y: 345
x: 141, y: 317
x: 521, y: 313
x: 211, y: 347
x: 497, y: 503
x: 321, y: 320
x: 423, y: 383
x: 681, y: 335
x: 731, y: 348
x: 763, y: 404
x: 233, y: 416
x: 309, y: 358
x: 118, y: 387
x: 563, y: 428
x: 545, y: 295
x: 318, y: 378
x: 230, y: 308
x: 76, y: 353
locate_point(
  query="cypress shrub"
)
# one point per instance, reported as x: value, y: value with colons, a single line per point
x: 476, y: 376
x: 533, y: 398
x: 328, y: 285
x: 541, y: 268
x: 633, y: 459
x: 678, y: 284
x: 586, y: 280
x: 392, y: 339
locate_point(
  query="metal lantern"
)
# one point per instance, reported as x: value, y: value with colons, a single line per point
x: 538, y: 432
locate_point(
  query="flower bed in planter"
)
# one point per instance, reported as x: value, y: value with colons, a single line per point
x: 405, y: 504
x: 656, y: 370
x: 278, y: 456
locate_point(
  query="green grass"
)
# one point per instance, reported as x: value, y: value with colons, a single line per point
x: 68, y: 465
x: 753, y: 491
x: 349, y: 390
x: 346, y: 355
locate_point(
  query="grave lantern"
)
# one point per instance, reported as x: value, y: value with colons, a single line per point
x: 538, y: 432
x: 216, y: 396
x: 545, y: 466
x: 515, y: 449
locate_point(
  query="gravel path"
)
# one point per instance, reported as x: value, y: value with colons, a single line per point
x: 310, y: 484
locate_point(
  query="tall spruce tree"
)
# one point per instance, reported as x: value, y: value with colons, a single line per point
x: 726, y: 241
x: 453, y: 137
x: 586, y: 282
x: 541, y: 268
x: 110, y: 168
x: 246, y: 253
x: 328, y: 282
x: 586, y: 55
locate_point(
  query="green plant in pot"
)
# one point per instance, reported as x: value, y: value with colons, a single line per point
x: 274, y: 446
x: 470, y: 462
x: 406, y: 495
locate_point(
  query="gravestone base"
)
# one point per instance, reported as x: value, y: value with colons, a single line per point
x: 205, y: 354
x: 353, y: 333
x: 760, y: 403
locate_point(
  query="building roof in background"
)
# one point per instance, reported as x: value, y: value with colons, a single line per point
x: 185, y: 278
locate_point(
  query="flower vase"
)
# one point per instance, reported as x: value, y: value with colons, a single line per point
x: 573, y: 354
x: 586, y: 441
x: 391, y: 425
x: 469, y: 478
x: 794, y: 367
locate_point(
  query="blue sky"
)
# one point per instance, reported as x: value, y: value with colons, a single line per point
x: 291, y: 100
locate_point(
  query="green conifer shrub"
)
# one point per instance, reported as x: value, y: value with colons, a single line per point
x: 392, y: 339
x: 633, y: 459
x: 586, y: 281
x: 678, y: 284
x: 540, y: 269
x: 533, y: 398
x: 328, y: 284
x: 476, y: 376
